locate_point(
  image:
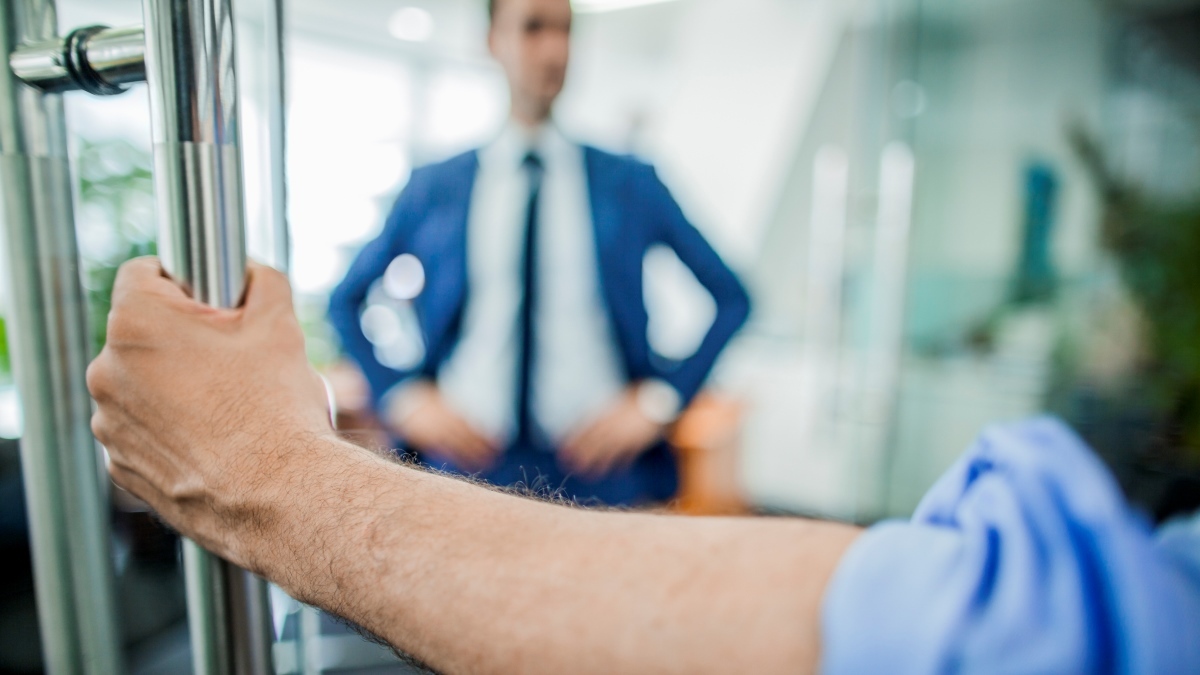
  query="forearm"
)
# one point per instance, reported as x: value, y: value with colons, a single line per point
x: 238, y: 454
x: 469, y: 579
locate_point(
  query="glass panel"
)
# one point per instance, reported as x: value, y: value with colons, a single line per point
x: 1054, y: 221
x: 110, y: 169
x: 949, y: 213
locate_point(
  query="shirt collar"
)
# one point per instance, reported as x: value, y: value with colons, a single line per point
x: 514, y: 142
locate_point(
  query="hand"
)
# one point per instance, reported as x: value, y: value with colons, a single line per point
x: 201, y: 409
x: 612, y: 440
x: 430, y: 424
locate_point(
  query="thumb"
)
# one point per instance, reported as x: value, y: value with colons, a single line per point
x: 143, y: 275
x: 266, y: 288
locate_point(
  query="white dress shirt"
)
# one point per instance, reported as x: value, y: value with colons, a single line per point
x: 577, y: 368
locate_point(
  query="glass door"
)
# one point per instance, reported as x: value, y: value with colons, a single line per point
x: 1055, y: 148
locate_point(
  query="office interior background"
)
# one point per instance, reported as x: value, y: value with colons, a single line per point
x: 950, y: 213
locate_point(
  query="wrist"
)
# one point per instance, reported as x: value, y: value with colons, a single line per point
x: 273, y: 508
x: 331, y: 527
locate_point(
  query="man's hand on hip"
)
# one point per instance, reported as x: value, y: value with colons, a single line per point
x: 429, y: 423
x: 612, y: 440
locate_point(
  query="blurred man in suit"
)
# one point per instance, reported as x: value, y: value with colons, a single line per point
x: 537, y: 366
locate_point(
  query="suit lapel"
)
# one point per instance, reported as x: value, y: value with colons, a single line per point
x: 443, y: 304
x: 603, y: 185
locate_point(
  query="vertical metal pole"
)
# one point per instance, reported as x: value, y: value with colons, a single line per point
x: 276, y: 99
x: 274, y: 70
x: 823, y: 295
x: 65, y: 491
x: 197, y: 166
x: 897, y: 182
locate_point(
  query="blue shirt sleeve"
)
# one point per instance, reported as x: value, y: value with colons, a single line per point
x: 694, y: 251
x: 1023, y: 558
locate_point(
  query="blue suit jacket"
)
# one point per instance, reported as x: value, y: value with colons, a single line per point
x: 631, y: 211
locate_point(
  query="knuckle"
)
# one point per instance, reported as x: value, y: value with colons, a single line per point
x: 123, y: 284
x: 121, y: 477
x: 97, y: 377
x: 122, y: 326
x: 275, y: 277
x: 183, y: 490
x: 100, y: 431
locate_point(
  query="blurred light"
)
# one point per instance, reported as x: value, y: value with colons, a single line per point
x: 395, y: 335
x: 411, y: 24
x: 316, y: 265
x: 381, y: 324
x: 369, y: 100
x: 405, y: 277
x: 597, y: 6
x: 404, y: 354
x: 463, y: 107
x: 908, y: 99
x: 10, y: 413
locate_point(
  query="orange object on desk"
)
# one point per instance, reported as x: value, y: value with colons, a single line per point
x: 707, y: 439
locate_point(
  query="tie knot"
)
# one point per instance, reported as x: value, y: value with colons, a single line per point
x: 533, y: 164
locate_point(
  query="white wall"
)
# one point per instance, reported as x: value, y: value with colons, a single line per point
x: 723, y: 87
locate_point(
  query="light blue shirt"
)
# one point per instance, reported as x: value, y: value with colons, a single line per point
x: 1023, y: 558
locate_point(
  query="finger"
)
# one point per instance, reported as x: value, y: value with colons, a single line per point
x: 583, y: 451
x: 571, y: 445
x: 600, y: 466
x: 584, y: 440
x: 587, y: 458
x: 466, y: 458
x: 144, y: 275
x: 477, y: 464
x: 625, y: 454
x: 98, y: 378
x: 266, y: 288
x: 162, y: 506
x: 612, y: 446
x: 476, y: 441
x: 474, y: 446
x: 451, y: 435
x: 466, y: 435
x: 133, y: 483
x: 432, y: 431
x: 599, y: 441
x: 130, y: 450
x: 458, y: 442
x: 569, y: 456
x: 612, y: 459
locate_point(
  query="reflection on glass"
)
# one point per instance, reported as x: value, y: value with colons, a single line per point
x: 1009, y: 225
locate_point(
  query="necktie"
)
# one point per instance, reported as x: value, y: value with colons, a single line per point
x: 527, y: 433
